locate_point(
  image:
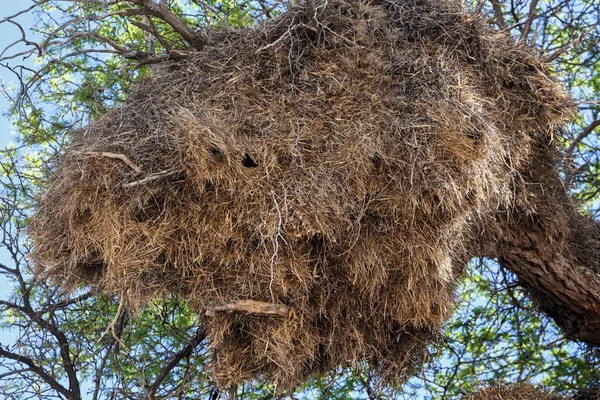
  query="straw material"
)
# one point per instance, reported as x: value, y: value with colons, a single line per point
x: 514, y: 392
x: 312, y: 186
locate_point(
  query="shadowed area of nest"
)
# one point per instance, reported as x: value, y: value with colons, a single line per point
x: 311, y: 186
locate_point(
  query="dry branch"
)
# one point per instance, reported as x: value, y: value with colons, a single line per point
x: 150, y: 178
x: 253, y: 307
x: 115, y: 156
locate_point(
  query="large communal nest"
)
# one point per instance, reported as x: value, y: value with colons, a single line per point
x: 312, y: 187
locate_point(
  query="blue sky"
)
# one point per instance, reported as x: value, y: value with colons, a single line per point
x: 8, y: 34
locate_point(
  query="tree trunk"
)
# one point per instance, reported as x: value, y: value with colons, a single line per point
x: 552, y: 248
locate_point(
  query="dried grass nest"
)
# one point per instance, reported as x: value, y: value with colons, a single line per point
x: 312, y: 186
x: 522, y: 391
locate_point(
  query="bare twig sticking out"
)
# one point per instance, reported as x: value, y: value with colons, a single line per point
x: 572, y: 172
x: 590, y: 128
x: 251, y: 307
x: 151, y: 177
x: 116, y: 156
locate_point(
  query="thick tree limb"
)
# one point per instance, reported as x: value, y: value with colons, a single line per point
x: 498, y: 14
x: 565, y: 287
x: 529, y: 21
x: 552, y: 248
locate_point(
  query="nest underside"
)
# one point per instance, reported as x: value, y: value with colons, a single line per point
x: 514, y: 392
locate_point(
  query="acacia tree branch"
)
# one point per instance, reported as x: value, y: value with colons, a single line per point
x: 561, y: 50
x: 162, y: 12
x: 53, y: 383
x: 24, y: 11
x: 151, y: 29
x: 9, y: 270
x: 552, y: 248
x: 529, y: 21
x: 498, y: 14
x: 198, y: 337
x: 582, y: 135
x: 63, y: 342
x: 68, y: 302
x: 100, y: 369
x: 64, y: 350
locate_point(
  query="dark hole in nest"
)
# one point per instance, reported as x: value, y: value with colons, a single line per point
x: 84, y: 215
x: 474, y: 134
x: 317, y: 240
x: 93, y: 267
x: 254, y: 244
x: 284, y: 159
x: 216, y: 152
x: 318, y: 248
x: 470, y: 196
x: 248, y: 162
x: 209, y: 187
x: 376, y: 160
x: 161, y: 259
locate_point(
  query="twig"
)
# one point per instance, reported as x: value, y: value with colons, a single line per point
x: 580, y: 137
x: 251, y: 307
x: 115, y: 156
x: 151, y: 177
x: 573, y: 173
x: 558, y: 52
x: 111, y: 328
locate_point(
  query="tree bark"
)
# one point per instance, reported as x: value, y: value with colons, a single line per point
x: 553, y: 249
x: 565, y: 286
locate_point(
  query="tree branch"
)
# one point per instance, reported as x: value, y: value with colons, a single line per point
x: 198, y: 337
x: 589, y: 129
x: 552, y: 248
x: 163, y: 12
x: 498, y: 14
x: 529, y: 21
x: 63, y: 343
x: 53, y: 383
